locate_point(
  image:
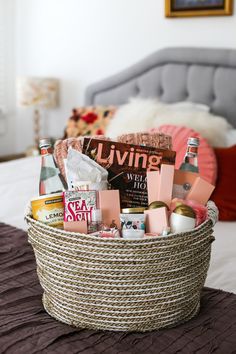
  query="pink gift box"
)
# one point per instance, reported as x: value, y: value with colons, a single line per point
x: 201, y: 191
x: 160, y: 184
x: 109, y: 203
x: 156, y: 220
x: 76, y: 226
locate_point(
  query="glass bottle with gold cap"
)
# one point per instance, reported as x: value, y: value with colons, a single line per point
x: 51, y: 180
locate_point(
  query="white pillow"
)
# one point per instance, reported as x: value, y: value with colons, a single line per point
x: 142, y: 114
x: 133, y: 117
x: 213, y: 128
x: 189, y: 105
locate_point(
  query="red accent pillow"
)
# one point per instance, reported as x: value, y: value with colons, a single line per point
x: 224, y: 194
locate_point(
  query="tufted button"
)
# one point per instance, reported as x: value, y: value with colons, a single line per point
x: 213, y: 97
x: 161, y: 91
x: 137, y: 89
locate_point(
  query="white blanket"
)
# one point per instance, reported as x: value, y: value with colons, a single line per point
x: 141, y: 114
x: 19, y: 183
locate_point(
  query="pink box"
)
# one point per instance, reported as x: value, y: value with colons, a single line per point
x: 160, y: 184
x: 76, y: 226
x: 200, y: 191
x: 156, y: 220
x: 183, y: 181
x: 109, y: 203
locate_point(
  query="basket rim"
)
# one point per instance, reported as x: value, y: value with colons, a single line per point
x: 212, y: 219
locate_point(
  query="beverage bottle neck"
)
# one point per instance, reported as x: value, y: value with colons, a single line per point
x: 192, y: 151
x: 191, y: 155
x: 51, y: 180
x: 47, y: 159
x: 47, y: 150
x: 190, y: 161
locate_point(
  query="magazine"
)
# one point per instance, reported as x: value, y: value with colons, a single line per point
x: 127, y: 165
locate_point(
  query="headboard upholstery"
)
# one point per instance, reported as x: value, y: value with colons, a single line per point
x: 198, y: 75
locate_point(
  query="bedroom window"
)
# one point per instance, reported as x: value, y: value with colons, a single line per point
x: 7, y: 67
x: 2, y: 55
x: 2, y: 67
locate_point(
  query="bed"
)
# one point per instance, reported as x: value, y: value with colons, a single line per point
x: 199, y: 75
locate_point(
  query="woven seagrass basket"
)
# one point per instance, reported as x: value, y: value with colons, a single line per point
x: 122, y: 285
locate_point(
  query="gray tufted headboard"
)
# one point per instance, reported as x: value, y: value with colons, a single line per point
x: 198, y: 75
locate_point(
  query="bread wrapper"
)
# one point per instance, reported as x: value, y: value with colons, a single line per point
x: 83, y: 172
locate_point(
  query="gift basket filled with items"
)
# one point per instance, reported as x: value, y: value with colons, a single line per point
x: 122, y: 239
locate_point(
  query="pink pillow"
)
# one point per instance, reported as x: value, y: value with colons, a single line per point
x: 207, y: 158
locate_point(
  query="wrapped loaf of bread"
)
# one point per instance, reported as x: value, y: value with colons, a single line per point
x: 61, y: 149
x: 158, y: 140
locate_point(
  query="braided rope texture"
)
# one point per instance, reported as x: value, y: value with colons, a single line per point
x: 122, y: 285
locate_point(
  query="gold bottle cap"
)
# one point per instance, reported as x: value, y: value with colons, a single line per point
x: 158, y: 204
x: 185, y: 210
x: 139, y: 210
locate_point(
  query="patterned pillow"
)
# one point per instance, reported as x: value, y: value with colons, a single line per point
x: 89, y: 121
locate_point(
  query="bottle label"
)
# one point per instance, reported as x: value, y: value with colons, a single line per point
x: 192, y: 150
x: 49, y: 210
x: 48, y: 172
x: 46, y: 151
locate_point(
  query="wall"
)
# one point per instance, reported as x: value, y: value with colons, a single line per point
x: 82, y: 41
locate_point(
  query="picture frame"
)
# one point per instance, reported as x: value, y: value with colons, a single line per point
x: 192, y: 8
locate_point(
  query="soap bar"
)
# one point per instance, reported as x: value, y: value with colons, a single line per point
x: 160, y: 184
x: 156, y: 220
x: 200, y: 191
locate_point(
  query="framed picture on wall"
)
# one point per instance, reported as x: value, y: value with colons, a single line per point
x: 190, y: 8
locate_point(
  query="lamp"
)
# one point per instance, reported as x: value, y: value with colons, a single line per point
x: 37, y: 93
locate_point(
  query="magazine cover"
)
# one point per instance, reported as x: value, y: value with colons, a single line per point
x: 127, y: 165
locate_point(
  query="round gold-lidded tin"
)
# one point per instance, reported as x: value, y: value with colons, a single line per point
x: 158, y: 204
x: 185, y: 210
x: 138, y: 210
